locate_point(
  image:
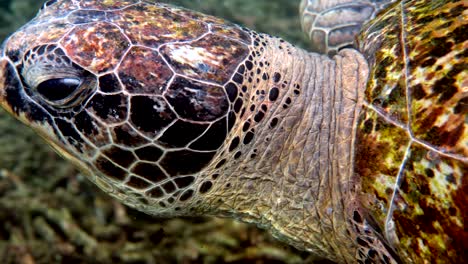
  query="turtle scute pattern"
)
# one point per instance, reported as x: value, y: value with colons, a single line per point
x: 413, y: 135
x: 155, y: 97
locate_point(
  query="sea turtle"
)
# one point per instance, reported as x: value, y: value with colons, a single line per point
x: 178, y: 113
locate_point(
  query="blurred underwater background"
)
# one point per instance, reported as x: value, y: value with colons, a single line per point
x: 49, y: 213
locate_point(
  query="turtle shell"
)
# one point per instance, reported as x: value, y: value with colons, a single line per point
x: 412, y: 146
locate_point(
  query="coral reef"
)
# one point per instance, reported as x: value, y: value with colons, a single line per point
x: 52, y: 214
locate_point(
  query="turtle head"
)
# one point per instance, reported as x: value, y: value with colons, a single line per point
x: 132, y: 93
x: 30, y: 61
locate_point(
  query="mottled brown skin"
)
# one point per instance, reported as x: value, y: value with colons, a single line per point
x: 177, y: 113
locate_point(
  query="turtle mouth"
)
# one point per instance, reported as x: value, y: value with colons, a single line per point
x: 3, y: 80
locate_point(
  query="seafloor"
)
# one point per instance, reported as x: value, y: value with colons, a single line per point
x: 49, y: 213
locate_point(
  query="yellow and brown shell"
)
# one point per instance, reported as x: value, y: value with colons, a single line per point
x: 412, y: 146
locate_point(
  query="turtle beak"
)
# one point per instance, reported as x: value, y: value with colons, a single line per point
x: 3, y: 81
x: 11, y: 98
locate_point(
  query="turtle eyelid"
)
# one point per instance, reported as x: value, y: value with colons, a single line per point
x: 57, y: 90
x: 48, y: 3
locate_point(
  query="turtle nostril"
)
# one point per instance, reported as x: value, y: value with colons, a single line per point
x: 58, y: 89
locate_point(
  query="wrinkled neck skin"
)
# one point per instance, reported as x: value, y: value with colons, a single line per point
x: 295, y: 176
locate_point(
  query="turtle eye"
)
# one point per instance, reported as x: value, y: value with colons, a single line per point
x: 58, y: 89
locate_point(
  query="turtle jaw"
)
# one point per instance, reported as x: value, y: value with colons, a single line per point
x: 8, y: 82
x: 3, y: 65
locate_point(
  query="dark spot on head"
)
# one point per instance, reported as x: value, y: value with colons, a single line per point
x: 237, y: 155
x: 125, y: 135
x: 248, y: 137
x: 276, y: 77
x: 206, y: 186
x: 185, y: 162
x: 181, y: 133
x: 231, y: 90
x: 40, y: 50
x: 70, y: 133
x: 259, y: 116
x: 249, y: 65
x: 120, y: 156
x: 241, y: 69
x: 357, y: 217
x: 149, y: 153
x: 372, y: 253
x: 197, y: 101
x: 238, y: 105
x: 273, y: 122
x: 138, y: 183
x: 85, y: 124
x: 183, y: 182
x: 234, y: 144
x: 109, y: 83
x: 13, y: 54
x: 149, y: 171
x: 242, y: 112
x: 362, y: 242
x: 156, y: 192
x: 213, y: 138
x: 186, y: 195
x: 274, y: 92
x: 238, y: 78
x: 110, y: 108
x: 246, y: 126
x: 169, y: 187
x: 231, y: 120
x: 220, y: 163
x: 110, y: 169
x: 150, y: 114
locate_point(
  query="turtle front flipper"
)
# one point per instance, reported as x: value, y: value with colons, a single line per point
x: 333, y: 25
